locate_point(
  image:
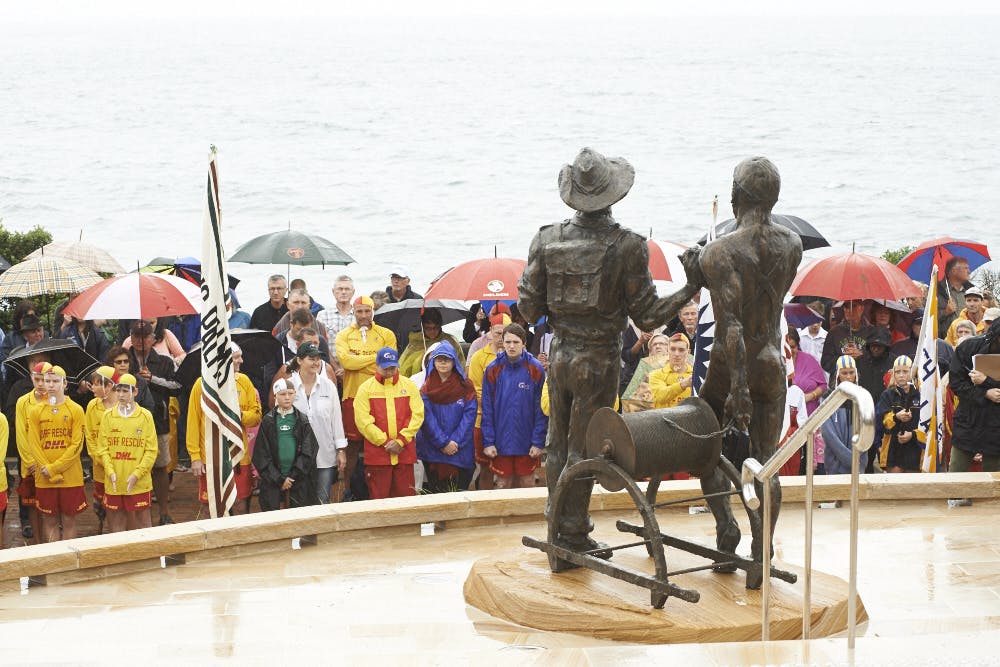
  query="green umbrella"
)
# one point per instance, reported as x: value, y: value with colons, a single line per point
x: 290, y: 247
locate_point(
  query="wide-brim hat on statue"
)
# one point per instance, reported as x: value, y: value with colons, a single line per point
x: 594, y: 182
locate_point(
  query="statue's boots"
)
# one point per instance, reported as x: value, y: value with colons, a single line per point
x: 726, y: 541
x: 581, y: 543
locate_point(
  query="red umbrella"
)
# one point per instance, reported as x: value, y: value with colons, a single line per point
x: 480, y: 279
x: 853, y: 276
x: 937, y: 253
x: 136, y: 296
x: 664, y: 260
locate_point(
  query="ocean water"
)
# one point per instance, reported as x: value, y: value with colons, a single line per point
x: 431, y: 142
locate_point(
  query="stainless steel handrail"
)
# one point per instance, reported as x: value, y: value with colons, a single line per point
x: 863, y: 429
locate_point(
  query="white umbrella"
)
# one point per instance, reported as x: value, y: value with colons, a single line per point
x: 135, y: 296
x: 91, y: 256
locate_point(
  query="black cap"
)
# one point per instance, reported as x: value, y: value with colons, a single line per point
x: 141, y: 328
x: 879, y: 336
x: 918, y: 314
x: 308, y: 349
x: 30, y: 322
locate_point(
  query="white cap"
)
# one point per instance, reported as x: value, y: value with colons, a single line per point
x: 399, y: 270
x: 991, y: 314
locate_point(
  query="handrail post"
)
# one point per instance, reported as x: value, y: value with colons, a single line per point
x: 765, y: 591
x: 807, y: 584
x: 864, y: 430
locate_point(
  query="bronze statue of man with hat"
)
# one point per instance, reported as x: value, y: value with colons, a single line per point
x: 587, y: 275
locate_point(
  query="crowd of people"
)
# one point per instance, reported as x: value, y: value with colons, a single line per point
x: 351, y: 410
x: 871, y: 343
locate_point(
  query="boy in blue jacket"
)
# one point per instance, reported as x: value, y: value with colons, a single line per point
x: 513, y: 423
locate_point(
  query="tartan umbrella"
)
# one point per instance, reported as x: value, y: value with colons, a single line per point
x: 91, y: 256
x: 45, y: 275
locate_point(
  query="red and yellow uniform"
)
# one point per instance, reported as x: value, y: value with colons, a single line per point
x: 55, y: 435
x: 356, y: 351
x: 128, y: 446
x: 4, y: 434
x: 389, y: 409
x: 26, y: 489
x: 95, y: 411
x: 250, y: 416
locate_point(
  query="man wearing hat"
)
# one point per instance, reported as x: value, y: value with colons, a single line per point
x: 973, y: 312
x: 399, y: 290
x: 55, y: 439
x: 388, y: 412
x: 356, y: 347
x: 588, y: 275
x: 399, y: 285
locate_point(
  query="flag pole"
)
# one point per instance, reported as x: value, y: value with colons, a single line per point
x: 223, y: 434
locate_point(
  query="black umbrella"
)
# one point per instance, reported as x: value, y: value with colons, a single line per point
x: 811, y: 238
x: 65, y: 353
x: 405, y: 315
x: 290, y: 247
x: 260, y: 349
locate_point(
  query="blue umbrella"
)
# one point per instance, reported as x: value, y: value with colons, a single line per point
x: 918, y: 263
x: 799, y: 315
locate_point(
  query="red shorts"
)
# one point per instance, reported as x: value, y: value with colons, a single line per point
x: 477, y: 440
x: 347, y: 414
x: 244, y: 484
x: 508, y: 466
x: 99, y: 491
x: 130, y: 503
x: 26, y: 491
x: 68, y: 500
x: 3, y: 501
x: 390, y: 481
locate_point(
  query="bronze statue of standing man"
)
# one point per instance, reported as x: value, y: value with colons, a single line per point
x: 748, y: 272
x: 587, y: 275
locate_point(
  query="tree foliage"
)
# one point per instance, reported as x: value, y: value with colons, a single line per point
x: 895, y: 256
x: 988, y: 279
x: 14, y: 247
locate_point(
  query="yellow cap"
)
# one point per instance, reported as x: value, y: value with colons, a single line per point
x: 127, y: 379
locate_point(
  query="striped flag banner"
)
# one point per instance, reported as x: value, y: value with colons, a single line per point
x: 931, y: 427
x: 223, y: 427
x: 705, y: 332
x: 703, y: 340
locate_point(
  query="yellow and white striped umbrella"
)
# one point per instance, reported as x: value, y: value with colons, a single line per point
x: 46, y: 275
